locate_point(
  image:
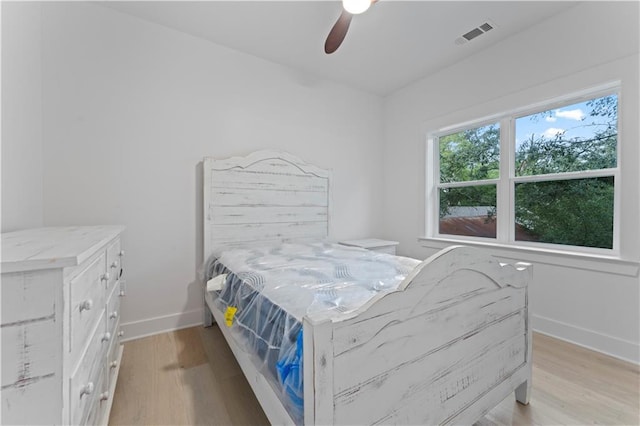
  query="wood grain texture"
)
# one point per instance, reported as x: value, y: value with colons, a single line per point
x: 308, y: 380
x: 55, y: 338
x: 448, y: 346
x: 265, y: 196
x: 87, y: 287
x: 32, y: 345
x: 450, y: 340
x: 28, y: 296
x: 323, y: 374
x: 48, y: 248
x: 184, y: 377
x: 371, y: 364
x: 571, y: 385
x: 86, y: 372
x: 114, y: 361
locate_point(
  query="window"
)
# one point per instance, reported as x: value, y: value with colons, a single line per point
x: 542, y: 176
x: 469, y: 174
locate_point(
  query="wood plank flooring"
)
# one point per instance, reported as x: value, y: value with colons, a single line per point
x: 191, y: 377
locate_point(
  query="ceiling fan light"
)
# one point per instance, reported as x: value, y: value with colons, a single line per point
x: 356, y: 6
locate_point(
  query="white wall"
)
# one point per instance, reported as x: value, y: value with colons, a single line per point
x: 128, y: 109
x: 588, y: 45
x: 21, y: 116
x: 131, y: 108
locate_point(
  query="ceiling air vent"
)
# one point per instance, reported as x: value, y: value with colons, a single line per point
x: 478, y: 31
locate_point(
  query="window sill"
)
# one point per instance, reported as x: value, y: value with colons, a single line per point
x: 567, y: 259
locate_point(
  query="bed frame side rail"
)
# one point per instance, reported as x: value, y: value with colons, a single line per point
x: 264, y: 392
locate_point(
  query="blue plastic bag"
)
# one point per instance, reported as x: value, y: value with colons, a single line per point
x: 290, y: 375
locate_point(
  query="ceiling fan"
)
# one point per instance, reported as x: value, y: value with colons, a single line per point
x: 339, y: 30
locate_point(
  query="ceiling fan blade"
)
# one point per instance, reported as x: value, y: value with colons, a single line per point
x: 337, y: 33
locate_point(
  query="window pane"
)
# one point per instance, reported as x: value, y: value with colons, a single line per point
x: 468, y: 211
x: 573, y: 212
x: 577, y: 137
x: 472, y: 154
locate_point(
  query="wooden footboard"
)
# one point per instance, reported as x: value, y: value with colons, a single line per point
x: 447, y: 347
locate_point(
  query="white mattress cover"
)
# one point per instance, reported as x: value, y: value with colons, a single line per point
x: 319, y: 277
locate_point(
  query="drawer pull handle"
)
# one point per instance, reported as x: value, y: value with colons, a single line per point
x: 114, y: 264
x: 105, y: 277
x: 120, y: 333
x: 86, y: 389
x: 106, y: 337
x: 114, y: 314
x: 121, y: 253
x: 86, y: 305
x: 113, y: 364
x: 104, y: 396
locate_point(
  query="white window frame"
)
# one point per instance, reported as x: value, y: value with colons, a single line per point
x: 505, y: 184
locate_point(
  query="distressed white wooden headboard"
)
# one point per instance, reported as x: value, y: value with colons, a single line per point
x: 264, y: 197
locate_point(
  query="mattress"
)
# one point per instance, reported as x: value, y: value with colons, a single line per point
x: 269, y: 289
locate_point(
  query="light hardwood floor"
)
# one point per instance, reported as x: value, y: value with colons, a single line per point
x: 191, y: 377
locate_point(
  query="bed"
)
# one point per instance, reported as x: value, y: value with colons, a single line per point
x: 448, y: 342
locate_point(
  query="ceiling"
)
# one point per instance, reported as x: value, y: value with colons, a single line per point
x: 391, y: 45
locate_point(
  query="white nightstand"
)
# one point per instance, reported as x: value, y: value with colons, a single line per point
x: 374, y: 244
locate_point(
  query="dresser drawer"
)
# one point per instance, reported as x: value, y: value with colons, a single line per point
x: 87, y: 302
x: 97, y: 405
x: 112, y: 359
x: 113, y: 263
x: 87, y: 380
x: 113, y: 309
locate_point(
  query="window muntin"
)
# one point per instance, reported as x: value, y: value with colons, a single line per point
x: 536, y: 162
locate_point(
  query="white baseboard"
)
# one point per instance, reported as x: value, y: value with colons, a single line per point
x: 148, y: 327
x: 613, y: 346
x: 609, y: 345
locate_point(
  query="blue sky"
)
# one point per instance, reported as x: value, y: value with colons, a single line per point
x: 573, y: 120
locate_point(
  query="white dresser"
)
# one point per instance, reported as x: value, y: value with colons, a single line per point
x: 61, y: 351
